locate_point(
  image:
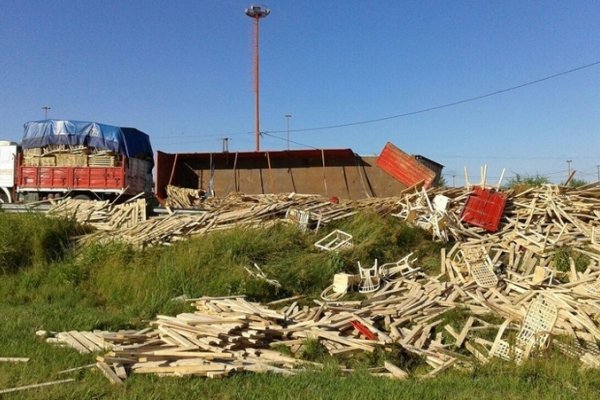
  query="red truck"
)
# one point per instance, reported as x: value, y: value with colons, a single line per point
x: 79, y: 159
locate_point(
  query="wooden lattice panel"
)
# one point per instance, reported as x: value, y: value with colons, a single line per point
x: 483, y: 275
x: 535, y: 330
x: 538, y: 323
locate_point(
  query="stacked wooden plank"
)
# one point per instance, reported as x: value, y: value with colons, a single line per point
x: 540, y: 220
x: 101, y: 214
x: 82, y: 211
x: 251, y: 211
x: 71, y: 160
x: 178, y: 197
x: 102, y: 158
x: 224, y: 335
x: 56, y: 155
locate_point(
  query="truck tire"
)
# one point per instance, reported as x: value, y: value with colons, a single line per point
x: 82, y: 197
x: 4, y: 198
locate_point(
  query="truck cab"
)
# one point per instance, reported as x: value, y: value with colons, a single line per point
x: 8, y: 156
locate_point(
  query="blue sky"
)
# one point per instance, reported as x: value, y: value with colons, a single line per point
x: 182, y: 72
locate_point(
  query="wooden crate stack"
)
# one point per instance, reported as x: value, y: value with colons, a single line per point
x: 71, y: 160
x: 56, y: 156
x: 103, y: 159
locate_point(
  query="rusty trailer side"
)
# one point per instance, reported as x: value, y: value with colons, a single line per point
x: 329, y: 172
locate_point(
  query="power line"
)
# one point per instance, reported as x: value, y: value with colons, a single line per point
x: 511, y: 158
x: 171, y: 137
x: 424, y: 110
x: 291, y: 141
x: 555, y: 173
x: 545, y: 174
x: 454, y: 103
x: 463, y: 157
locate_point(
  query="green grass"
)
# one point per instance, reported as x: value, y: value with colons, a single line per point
x: 47, y: 284
x: 31, y: 239
x: 561, y: 258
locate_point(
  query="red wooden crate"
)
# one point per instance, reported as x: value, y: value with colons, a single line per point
x: 484, y: 208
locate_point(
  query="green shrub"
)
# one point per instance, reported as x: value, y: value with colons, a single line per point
x: 527, y: 181
x: 32, y: 239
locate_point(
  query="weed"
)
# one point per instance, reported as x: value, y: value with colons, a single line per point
x: 455, y: 317
x: 561, y: 260
x: 313, y: 350
x: 32, y: 239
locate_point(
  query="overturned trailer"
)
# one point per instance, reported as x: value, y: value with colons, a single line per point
x: 330, y: 172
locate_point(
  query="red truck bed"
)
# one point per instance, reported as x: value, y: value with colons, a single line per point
x: 82, y: 178
x: 131, y: 176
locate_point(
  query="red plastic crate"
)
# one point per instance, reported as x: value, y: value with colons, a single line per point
x: 484, y: 208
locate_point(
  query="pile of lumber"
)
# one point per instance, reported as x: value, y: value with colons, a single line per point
x: 100, y: 213
x: 224, y: 335
x: 540, y: 219
x: 233, y: 211
x: 178, y: 197
x: 537, y: 218
x: 103, y: 159
x: 409, y: 314
x: 489, y: 283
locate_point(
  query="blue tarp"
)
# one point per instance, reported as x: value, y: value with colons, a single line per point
x: 128, y: 141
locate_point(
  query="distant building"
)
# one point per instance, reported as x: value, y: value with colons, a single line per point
x: 432, y: 165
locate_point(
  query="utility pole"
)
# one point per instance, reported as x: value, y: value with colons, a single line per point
x: 46, y: 108
x: 256, y: 12
x: 569, y: 165
x: 598, y: 166
x: 453, y: 180
x: 287, y: 118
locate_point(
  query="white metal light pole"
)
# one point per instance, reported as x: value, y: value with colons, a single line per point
x: 46, y: 108
x: 287, y: 120
x: 225, y: 144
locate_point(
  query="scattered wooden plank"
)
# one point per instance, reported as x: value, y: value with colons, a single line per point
x: 396, y: 372
x: 36, y: 385
x: 235, y: 333
x: 109, y: 373
x: 14, y: 359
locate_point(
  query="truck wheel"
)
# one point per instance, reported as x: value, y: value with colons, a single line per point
x: 82, y: 197
x: 4, y: 197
